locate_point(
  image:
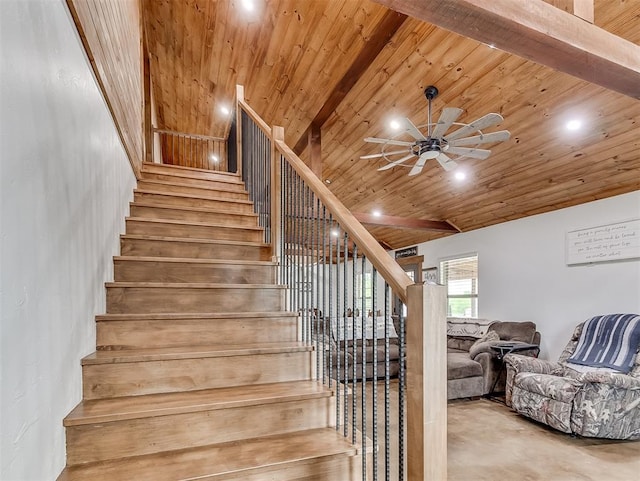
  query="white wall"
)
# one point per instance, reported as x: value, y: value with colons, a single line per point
x: 65, y: 184
x: 523, y: 275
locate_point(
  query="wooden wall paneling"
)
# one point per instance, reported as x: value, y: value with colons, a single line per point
x: 111, y: 35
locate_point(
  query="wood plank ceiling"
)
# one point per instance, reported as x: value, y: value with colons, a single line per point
x: 290, y: 56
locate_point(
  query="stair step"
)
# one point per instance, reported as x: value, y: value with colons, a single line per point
x: 146, y: 331
x: 191, y: 214
x: 171, y: 269
x: 192, y: 230
x: 131, y: 426
x: 136, y: 372
x: 159, y: 197
x: 161, y: 246
x: 189, y: 172
x: 318, y: 454
x: 155, y: 297
x: 193, y: 186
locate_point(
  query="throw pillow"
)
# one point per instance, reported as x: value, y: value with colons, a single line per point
x: 483, y: 344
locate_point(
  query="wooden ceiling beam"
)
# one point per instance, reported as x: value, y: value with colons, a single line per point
x: 385, y: 30
x: 580, y: 8
x: 405, y: 222
x: 540, y: 32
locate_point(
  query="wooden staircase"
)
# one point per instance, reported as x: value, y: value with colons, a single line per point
x: 198, y: 373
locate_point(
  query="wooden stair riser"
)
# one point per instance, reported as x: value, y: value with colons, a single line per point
x: 192, y: 249
x: 203, y: 183
x: 193, y: 231
x: 158, y: 271
x: 222, y: 462
x: 132, y: 300
x: 134, y: 437
x: 238, y: 207
x: 226, y: 192
x: 178, y: 171
x: 176, y: 375
x: 188, y: 215
x: 151, y: 334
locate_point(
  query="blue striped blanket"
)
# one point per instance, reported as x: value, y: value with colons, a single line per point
x: 609, y: 341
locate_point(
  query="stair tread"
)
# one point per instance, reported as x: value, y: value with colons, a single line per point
x: 193, y: 352
x: 188, y: 315
x: 220, y: 459
x: 192, y: 285
x: 180, y: 170
x: 150, y: 405
x: 191, y: 196
x: 194, y: 240
x: 191, y: 260
x: 192, y: 223
x: 205, y: 210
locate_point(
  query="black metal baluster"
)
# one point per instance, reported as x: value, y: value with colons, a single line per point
x: 374, y: 383
x: 364, y: 375
x: 325, y: 332
x: 344, y: 315
x: 330, y: 284
x: 354, y: 405
x: 387, y: 387
x: 341, y: 348
x: 401, y: 387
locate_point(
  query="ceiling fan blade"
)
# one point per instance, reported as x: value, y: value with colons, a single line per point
x: 375, y: 140
x: 482, y: 139
x: 395, y: 162
x: 482, y: 123
x: 446, y: 163
x: 419, y: 165
x: 382, y: 154
x: 473, y: 153
x: 412, y: 130
x: 448, y: 116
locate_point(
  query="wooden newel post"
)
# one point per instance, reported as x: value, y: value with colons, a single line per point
x: 426, y: 383
x: 239, y: 101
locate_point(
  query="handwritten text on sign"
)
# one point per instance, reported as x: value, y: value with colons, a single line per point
x: 605, y: 243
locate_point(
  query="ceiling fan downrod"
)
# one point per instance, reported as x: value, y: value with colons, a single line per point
x: 431, y: 92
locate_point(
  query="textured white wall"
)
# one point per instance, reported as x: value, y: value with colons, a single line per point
x: 523, y: 274
x: 65, y: 184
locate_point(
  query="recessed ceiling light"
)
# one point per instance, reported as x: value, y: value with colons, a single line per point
x: 376, y: 213
x: 335, y: 232
x: 213, y: 158
x: 574, y: 124
x: 491, y: 45
x: 248, y: 5
x: 224, y: 109
x: 394, y: 124
x: 327, y: 181
x: 459, y: 175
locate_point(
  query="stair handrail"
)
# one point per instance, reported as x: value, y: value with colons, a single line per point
x: 425, y: 336
x: 390, y: 270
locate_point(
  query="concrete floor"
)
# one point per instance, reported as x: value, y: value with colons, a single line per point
x: 487, y: 441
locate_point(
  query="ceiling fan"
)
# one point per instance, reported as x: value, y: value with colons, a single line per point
x: 431, y: 141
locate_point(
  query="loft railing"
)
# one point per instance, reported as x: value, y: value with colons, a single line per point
x: 189, y: 150
x: 342, y: 282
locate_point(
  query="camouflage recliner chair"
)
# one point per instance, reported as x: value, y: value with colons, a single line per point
x: 587, y: 401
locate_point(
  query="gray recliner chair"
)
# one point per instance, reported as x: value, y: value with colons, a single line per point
x: 574, y: 399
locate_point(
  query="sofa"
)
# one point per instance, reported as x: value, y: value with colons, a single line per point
x: 585, y: 400
x: 362, y: 348
x: 474, y: 368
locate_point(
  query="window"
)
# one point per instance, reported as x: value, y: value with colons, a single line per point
x: 364, y: 285
x: 460, y: 275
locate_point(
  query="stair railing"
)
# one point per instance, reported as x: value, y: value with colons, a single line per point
x: 189, y: 150
x: 341, y: 282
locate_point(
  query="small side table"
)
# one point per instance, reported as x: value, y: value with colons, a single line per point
x: 504, y: 348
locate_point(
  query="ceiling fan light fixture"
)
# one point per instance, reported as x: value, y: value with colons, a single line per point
x: 460, y: 175
x: 431, y: 140
x: 394, y: 124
